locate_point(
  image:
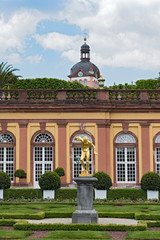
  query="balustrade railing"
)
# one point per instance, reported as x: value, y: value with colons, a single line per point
x: 79, y: 96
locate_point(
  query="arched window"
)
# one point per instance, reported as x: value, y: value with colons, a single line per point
x: 80, y: 81
x: 85, y: 82
x: 157, y: 154
x: 125, y: 159
x: 76, y: 155
x: 43, y: 155
x: 7, y: 154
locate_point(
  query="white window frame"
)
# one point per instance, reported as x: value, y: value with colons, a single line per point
x: 126, y: 163
x: 157, y: 159
x: 5, y: 162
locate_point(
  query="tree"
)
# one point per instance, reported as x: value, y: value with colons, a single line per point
x: 7, y: 75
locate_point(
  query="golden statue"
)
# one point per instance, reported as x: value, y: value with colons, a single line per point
x: 85, y: 154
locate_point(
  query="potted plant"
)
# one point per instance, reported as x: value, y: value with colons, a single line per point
x: 20, y: 173
x: 150, y: 182
x: 60, y: 171
x: 49, y: 182
x: 102, y: 185
x: 5, y: 182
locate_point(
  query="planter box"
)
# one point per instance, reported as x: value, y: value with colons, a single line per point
x: 152, y: 194
x: 49, y: 194
x: 1, y: 193
x: 100, y: 194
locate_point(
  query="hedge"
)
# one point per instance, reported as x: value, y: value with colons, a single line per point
x: 132, y: 194
x: 76, y: 227
x: 153, y: 224
x: 7, y: 222
x: 58, y: 214
x: 39, y: 215
x: 62, y: 194
x: 116, y: 215
x: 22, y: 193
x: 140, y: 216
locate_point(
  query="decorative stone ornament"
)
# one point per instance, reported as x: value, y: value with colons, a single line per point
x: 152, y: 195
x: 48, y: 194
x: 1, y: 193
x: 100, y: 194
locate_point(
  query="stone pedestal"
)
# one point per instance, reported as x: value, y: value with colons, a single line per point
x: 85, y: 212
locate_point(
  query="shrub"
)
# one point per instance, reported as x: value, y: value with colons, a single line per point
x: 150, y: 181
x: 132, y: 194
x: 25, y: 193
x: 104, y: 181
x: 5, y: 181
x: 62, y: 194
x: 60, y: 171
x: 20, y: 173
x: 49, y: 181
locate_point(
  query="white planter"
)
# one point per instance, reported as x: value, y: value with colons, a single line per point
x: 48, y: 194
x: 1, y: 193
x: 100, y: 194
x: 152, y: 194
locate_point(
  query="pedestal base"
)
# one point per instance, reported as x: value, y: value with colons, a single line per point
x: 85, y: 216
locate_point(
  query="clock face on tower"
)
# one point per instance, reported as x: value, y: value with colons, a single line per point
x: 80, y: 74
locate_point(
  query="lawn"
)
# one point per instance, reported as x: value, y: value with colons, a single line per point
x: 143, y: 235
x: 77, y: 235
x: 14, y: 234
x: 40, y: 207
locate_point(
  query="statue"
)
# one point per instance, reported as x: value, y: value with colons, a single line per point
x: 85, y: 154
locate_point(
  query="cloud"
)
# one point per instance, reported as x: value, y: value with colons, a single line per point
x: 34, y: 59
x: 121, y: 33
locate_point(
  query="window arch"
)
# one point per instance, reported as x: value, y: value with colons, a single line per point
x: 76, y: 150
x: 126, y: 158
x: 7, y: 154
x: 43, y: 155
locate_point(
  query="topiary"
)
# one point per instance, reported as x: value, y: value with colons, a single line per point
x: 104, y: 181
x: 5, y: 181
x: 150, y: 181
x: 60, y: 171
x: 49, y: 181
x: 20, y: 173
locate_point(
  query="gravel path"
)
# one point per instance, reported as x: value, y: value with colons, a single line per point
x: 100, y: 221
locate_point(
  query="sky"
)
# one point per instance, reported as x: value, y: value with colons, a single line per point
x: 42, y: 38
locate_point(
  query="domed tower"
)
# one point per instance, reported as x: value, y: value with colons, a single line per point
x: 84, y: 71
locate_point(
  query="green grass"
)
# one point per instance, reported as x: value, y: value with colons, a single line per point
x: 13, y: 234
x: 77, y: 235
x: 143, y: 235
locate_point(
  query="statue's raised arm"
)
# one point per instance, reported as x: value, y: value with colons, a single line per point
x: 78, y: 139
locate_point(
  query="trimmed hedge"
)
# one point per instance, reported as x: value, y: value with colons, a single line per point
x: 58, y: 214
x: 153, y: 224
x: 37, y: 216
x: 132, y: 194
x: 76, y: 227
x: 22, y: 193
x: 116, y: 215
x: 140, y: 216
x: 62, y: 194
x: 6, y: 222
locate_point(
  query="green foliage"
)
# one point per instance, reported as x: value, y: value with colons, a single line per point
x: 20, y: 173
x: 5, y: 181
x: 132, y: 194
x: 60, y: 171
x: 129, y: 215
x: 49, y: 181
x: 46, y: 83
x: 39, y: 215
x: 14, y: 234
x: 77, y: 227
x: 140, y: 216
x: 62, y: 194
x: 7, y: 75
x: 24, y: 193
x: 51, y: 214
x: 104, y: 181
x: 7, y: 222
x: 150, y: 235
x: 153, y: 224
x: 150, y: 181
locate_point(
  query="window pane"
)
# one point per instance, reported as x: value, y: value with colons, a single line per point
x: 131, y: 155
x: 9, y: 155
x: 120, y: 154
x: 157, y: 154
x: 158, y: 168
x: 131, y: 172
x: 1, y: 167
x: 1, y: 154
x: 47, y: 167
x: 9, y: 170
x: 38, y: 154
x: 38, y: 171
x: 120, y: 172
x: 48, y: 154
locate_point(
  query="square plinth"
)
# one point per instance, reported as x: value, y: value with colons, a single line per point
x: 85, y: 216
